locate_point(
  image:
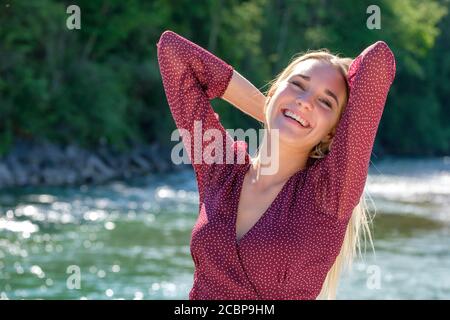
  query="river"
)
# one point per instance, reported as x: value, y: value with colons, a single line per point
x: 131, y: 240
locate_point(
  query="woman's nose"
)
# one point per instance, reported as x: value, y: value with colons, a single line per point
x: 304, y: 101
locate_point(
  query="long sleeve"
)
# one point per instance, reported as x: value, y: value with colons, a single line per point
x: 343, y: 172
x: 191, y: 78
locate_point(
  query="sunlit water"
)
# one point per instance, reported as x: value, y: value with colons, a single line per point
x: 131, y: 241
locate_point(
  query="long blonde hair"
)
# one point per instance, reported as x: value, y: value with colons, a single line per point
x: 358, y: 229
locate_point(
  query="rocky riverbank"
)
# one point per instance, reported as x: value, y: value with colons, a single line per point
x: 44, y: 163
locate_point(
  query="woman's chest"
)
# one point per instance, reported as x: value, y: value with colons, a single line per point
x: 231, y: 216
x: 253, y: 206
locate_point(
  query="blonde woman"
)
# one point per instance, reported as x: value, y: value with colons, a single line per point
x: 284, y: 235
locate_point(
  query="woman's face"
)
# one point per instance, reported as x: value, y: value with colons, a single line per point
x: 315, y: 92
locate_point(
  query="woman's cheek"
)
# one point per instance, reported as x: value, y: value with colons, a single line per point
x: 325, y: 115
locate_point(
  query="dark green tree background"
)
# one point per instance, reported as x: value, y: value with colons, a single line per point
x: 102, y: 83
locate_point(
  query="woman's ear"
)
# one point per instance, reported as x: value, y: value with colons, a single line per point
x: 329, y: 136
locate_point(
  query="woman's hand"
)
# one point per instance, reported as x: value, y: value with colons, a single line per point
x: 245, y: 96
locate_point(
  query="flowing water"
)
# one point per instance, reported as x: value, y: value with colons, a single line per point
x: 131, y: 240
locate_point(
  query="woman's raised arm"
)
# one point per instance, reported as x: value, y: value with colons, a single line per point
x: 192, y: 77
x: 343, y: 172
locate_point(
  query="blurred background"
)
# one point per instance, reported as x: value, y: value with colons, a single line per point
x: 85, y: 173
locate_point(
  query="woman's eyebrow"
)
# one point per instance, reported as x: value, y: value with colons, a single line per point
x: 302, y: 76
x: 327, y: 91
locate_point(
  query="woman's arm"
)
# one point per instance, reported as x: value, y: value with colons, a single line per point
x: 191, y: 78
x: 245, y: 96
x: 340, y: 182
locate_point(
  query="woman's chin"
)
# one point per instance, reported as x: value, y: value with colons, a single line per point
x: 292, y: 139
x: 289, y: 134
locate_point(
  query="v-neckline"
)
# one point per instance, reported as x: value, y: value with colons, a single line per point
x: 266, y: 212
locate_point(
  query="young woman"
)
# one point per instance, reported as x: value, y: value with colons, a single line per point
x: 285, y: 235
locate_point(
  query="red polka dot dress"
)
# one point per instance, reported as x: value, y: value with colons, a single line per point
x: 289, y: 251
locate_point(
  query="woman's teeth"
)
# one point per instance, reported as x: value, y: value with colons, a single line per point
x: 292, y: 115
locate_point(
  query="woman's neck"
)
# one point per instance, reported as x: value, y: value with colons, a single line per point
x: 275, y: 163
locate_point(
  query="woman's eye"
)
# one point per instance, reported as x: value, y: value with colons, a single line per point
x: 326, y: 102
x: 298, y: 84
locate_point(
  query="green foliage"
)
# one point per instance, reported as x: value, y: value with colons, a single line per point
x: 103, y: 83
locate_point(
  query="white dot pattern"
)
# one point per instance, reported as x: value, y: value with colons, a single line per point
x: 289, y: 251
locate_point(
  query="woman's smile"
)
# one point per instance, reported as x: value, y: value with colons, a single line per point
x: 295, y: 117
